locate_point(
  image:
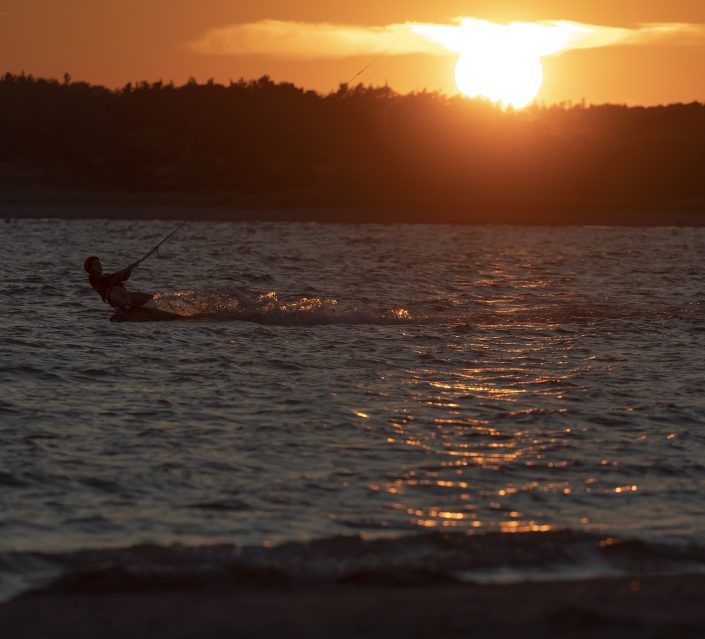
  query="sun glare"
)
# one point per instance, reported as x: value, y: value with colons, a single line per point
x: 502, y: 62
x: 506, y: 78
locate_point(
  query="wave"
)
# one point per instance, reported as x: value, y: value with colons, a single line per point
x: 411, y: 560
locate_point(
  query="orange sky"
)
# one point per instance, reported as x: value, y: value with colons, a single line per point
x: 112, y: 42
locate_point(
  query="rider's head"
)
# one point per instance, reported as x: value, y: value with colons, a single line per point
x: 92, y: 265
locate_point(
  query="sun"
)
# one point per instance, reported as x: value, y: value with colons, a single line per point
x: 502, y: 62
x: 504, y: 77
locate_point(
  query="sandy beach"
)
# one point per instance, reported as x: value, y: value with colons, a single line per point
x: 667, y: 606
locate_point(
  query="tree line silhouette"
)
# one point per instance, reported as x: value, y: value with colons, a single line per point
x: 424, y: 155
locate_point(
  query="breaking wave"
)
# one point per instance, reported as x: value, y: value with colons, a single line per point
x: 410, y: 560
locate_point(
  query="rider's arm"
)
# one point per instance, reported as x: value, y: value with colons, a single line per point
x: 120, y: 276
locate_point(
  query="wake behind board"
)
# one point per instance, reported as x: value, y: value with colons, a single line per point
x: 144, y: 314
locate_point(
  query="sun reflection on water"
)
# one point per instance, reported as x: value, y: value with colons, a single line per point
x: 474, y: 427
x: 489, y: 423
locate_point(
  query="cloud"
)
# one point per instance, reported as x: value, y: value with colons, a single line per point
x: 306, y: 40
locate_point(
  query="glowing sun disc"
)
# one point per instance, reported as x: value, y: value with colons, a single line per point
x: 503, y: 77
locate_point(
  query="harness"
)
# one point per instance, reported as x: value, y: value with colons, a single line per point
x: 103, y: 284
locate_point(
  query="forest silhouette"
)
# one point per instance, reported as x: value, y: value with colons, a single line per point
x: 417, y: 157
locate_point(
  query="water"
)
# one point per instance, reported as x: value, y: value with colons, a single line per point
x: 348, y: 379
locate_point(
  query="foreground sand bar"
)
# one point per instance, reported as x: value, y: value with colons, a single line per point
x: 665, y: 606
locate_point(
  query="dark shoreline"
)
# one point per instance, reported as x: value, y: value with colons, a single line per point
x: 644, y: 607
x: 173, y: 206
x: 337, y: 216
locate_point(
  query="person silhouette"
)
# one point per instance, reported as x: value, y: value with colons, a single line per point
x: 110, y: 286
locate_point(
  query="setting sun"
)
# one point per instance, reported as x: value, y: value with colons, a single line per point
x: 507, y: 77
x: 502, y: 62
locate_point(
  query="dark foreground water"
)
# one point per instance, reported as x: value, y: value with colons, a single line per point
x: 343, y: 380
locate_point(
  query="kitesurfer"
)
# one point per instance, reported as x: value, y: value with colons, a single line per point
x: 110, y: 286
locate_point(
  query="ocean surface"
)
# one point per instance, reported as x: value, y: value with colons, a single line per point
x: 369, y: 385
